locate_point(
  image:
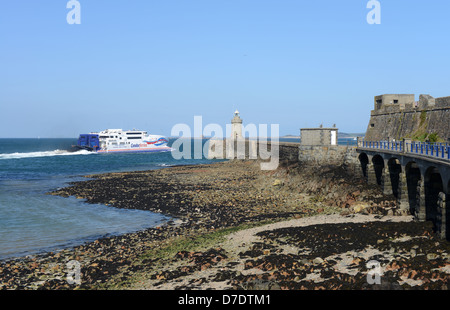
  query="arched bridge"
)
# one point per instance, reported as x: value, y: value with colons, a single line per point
x: 416, y: 173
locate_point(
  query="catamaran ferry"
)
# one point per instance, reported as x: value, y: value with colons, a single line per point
x: 118, y: 140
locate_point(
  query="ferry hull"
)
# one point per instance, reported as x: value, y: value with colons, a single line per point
x: 136, y: 150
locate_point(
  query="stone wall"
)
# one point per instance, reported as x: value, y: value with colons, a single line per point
x: 250, y: 149
x: 268, y: 154
x: 329, y: 155
x: 288, y: 151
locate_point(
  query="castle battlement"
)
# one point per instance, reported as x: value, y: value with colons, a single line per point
x: 395, y: 103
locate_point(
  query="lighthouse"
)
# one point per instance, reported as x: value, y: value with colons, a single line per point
x: 236, y: 126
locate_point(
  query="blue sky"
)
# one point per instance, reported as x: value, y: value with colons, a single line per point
x: 153, y: 64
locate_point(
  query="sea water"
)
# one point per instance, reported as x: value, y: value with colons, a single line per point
x: 33, y: 222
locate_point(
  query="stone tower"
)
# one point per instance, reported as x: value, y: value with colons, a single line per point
x: 236, y: 126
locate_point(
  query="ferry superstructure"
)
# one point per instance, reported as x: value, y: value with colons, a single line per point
x: 122, y: 141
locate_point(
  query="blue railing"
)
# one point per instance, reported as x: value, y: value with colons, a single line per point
x: 437, y: 150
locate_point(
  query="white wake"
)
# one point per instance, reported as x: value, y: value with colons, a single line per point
x: 43, y: 154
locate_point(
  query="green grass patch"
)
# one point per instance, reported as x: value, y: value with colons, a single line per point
x: 198, y: 243
x: 423, y: 117
x: 426, y: 137
x: 433, y: 137
x: 422, y: 134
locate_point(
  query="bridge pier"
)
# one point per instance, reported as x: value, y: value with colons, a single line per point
x: 371, y: 176
x: 420, y: 212
x: 441, y: 217
x: 387, y: 184
x: 402, y: 198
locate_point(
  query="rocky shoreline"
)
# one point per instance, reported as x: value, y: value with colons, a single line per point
x: 237, y: 227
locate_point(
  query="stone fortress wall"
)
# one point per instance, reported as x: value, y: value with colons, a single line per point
x: 399, y: 116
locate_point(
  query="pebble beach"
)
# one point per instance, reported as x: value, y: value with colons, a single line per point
x: 234, y: 226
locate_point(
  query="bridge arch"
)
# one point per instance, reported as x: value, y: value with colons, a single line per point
x: 364, y: 161
x: 413, y: 181
x: 378, y: 166
x: 433, y: 187
x: 395, y: 168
